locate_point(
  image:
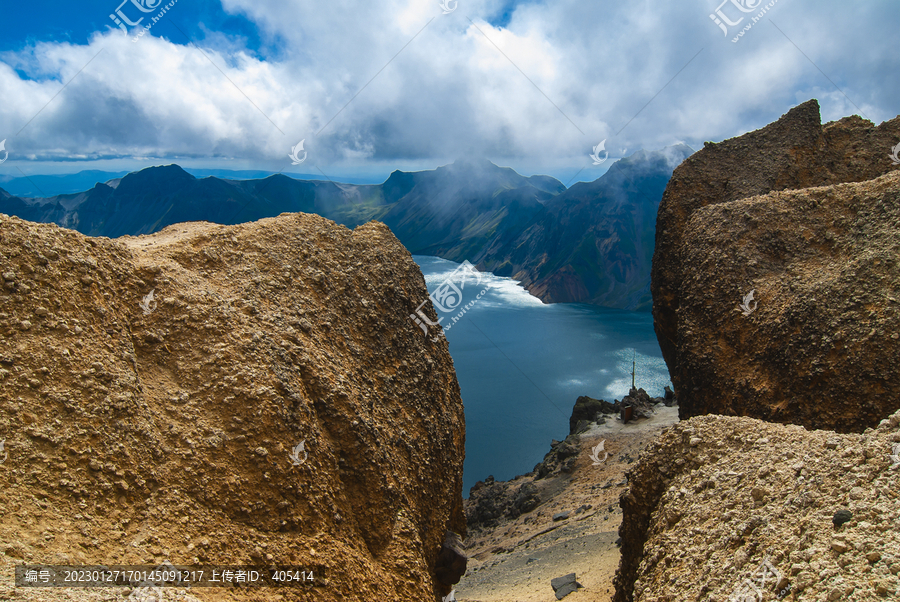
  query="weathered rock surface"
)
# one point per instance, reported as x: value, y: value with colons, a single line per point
x: 561, y: 457
x: 170, y: 433
x: 588, y: 410
x: 715, y: 497
x: 808, y: 218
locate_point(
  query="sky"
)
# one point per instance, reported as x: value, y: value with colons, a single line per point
x: 369, y: 87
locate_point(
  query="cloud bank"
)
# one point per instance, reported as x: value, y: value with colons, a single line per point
x: 399, y: 81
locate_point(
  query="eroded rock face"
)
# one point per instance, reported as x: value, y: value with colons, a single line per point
x: 169, y: 428
x: 716, y: 497
x: 820, y: 345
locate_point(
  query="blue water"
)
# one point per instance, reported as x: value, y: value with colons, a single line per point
x: 521, y: 365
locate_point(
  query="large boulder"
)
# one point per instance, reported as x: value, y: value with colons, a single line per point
x: 728, y: 508
x: 271, y: 403
x: 766, y: 212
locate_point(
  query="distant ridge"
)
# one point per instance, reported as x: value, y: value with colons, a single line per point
x: 531, y: 228
x: 53, y: 185
x: 453, y: 211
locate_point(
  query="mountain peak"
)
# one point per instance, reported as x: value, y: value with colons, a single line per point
x: 167, y: 171
x: 474, y: 162
x: 162, y: 179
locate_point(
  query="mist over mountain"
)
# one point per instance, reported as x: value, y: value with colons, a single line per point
x: 594, y: 242
x: 591, y: 243
x: 458, y: 210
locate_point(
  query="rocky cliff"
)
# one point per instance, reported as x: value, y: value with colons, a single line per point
x: 725, y: 508
x: 806, y: 218
x: 146, y: 428
x: 593, y: 243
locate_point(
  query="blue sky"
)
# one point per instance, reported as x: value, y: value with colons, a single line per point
x: 412, y: 84
x: 26, y: 23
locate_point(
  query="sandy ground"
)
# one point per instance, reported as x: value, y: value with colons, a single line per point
x: 515, y: 561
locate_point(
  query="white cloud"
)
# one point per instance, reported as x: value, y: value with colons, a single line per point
x: 450, y: 91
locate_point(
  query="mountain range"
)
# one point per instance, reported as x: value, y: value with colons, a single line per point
x: 590, y: 243
x: 55, y: 184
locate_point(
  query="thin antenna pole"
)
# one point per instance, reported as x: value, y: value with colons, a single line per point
x: 632, y: 369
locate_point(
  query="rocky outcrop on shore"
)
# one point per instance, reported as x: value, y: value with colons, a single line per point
x: 776, y: 279
x: 725, y: 506
x: 251, y: 394
x: 588, y: 411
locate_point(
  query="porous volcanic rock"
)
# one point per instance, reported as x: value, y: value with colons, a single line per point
x: 715, y: 498
x: 142, y: 430
x: 807, y: 217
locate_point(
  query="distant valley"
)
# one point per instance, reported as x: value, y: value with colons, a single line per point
x: 591, y: 243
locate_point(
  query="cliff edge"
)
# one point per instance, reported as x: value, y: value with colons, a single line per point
x: 142, y: 428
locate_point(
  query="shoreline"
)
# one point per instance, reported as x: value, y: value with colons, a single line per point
x: 573, y: 528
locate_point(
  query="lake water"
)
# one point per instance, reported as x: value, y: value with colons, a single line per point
x: 521, y: 365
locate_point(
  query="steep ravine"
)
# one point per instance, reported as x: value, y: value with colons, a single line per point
x: 141, y: 430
